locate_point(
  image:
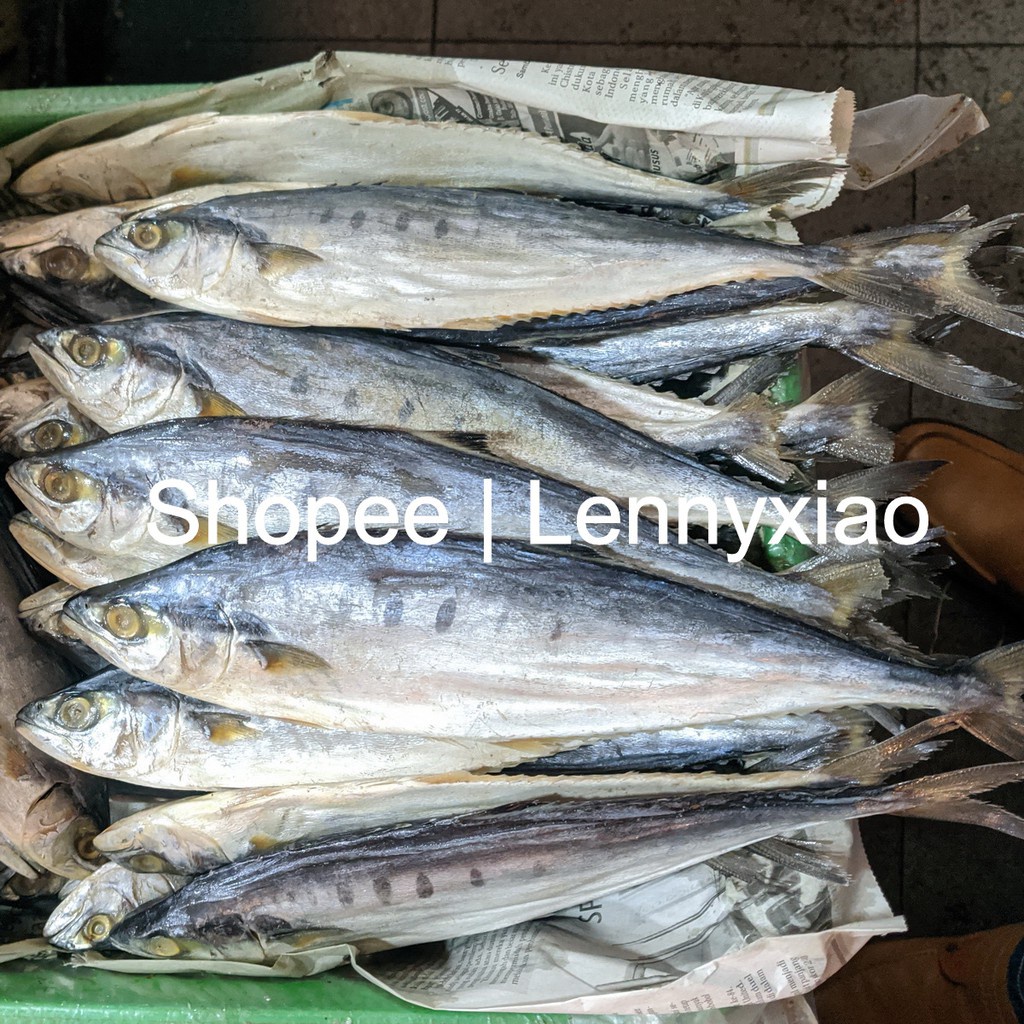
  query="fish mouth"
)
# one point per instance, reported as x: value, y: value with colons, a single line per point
x: 21, y: 480
x: 55, y: 370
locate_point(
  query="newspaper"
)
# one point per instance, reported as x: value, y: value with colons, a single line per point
x: 667, y: 123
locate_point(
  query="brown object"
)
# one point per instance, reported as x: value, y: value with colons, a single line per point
x: 978, y: 497
x: 924, y: 981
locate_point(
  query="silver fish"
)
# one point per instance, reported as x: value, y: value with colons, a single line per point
x: 96, y: 498
x: 459, y: 876
x: 344, y: 147
x: 393, y: 257
x: 435, y: 641
x: 91, y: 908
x: 41, y: 614
x: 22, y: 399
x: 52, y: 425
x: 123, y: 728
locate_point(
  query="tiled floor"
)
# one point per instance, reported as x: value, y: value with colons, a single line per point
x: 945, y: 877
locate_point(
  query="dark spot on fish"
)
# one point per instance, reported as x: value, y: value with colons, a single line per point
x: 441, y: 228
x: 382, y: 887
x: 300, y: 383
x: 393, y: 610
x: 424, y: 888
x: 406, y: 410
x: 476, y: 878
x: 224, y: 926
x: 326, y: 215
x: 344, y: 893
x: 445, y: 615
x: 351, y: 397
x: 267, y: 924
x: 402, y: 221
x: 358, y: 219
x: 539, y: 869
x: 557, y: 631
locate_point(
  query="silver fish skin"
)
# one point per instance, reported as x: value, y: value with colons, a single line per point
x: 52, y: 425
x: 99, y: 529
x: 49, y: 814
x: 437, y: 880
x: 385, y: 382
x: 91, y: 908
x: 435, y: 641
x: 136, y: 732
x: 342, y: 147
x: 41, y: 614
x: 392, y: 257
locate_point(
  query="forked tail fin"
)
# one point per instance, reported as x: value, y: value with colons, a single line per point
x: 1001, y: 725
x: 921, y: 272
x: 777, y: 185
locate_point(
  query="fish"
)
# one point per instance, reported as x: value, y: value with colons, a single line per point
x: 136, y: 732
x: 347, y: 147
x: 457, y: 876
x: 387, y: 382
x: 92, y: 907
x: 81, y: 567
x: 198, y: 833
x: 49, y: 814
x: 400, y: 637
x: 880, y: 338
x: 22, y: 399
x: 41, y: 614
x: 99, y: 527
x: 50, y: 426
x: 396, y: 257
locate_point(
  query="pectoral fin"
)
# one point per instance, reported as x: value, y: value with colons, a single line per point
x: 280, y: 260
x: 284, y: 658
x: 213, y: 404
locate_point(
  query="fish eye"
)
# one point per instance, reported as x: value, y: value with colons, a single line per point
x: 125, y: 621
x: 97, y: 928
x: 63, y: 486
x: 84, y: 845
x: 147, y: 235
x: 85, y: 350
x: 64, y: 262
x: 77, y: 713
x: 53, y: 434
x: 162, y: 945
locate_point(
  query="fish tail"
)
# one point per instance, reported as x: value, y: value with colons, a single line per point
x: 947, y: 797
x: 776, y: 185
x: 838, y: 421
x: 763, y: 452
x: 895, y: 350
x: 922, y: 272
x: 882, y: 483
x: 1001, y: 724
x: 856, y: 588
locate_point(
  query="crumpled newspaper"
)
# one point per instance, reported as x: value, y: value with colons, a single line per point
x: 673, y: 124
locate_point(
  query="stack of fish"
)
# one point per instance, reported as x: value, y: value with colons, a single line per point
x: 398, y: 741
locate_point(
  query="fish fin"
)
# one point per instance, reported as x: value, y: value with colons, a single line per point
x: 993, y: 729
x: 222, y: 535
x: 776, y: 185
x: 855, y: 587
x: 280, y: 260
x: 11, y: 859
x: 224, y: 728
x: 811, y: 755
x: 875, y: 763
x: 882, y: 483
x: 899, y: 354
x: 213, y: 404
x: 838, y: 420
x: 923, y: 273
x: 277, y: 657
x: 936, y: 795
x: 765, y: 462
x: 467, y: 440
x: 1002, y: 670
x: 790, y: 853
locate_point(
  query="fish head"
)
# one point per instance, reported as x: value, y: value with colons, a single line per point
x: 85, y: 497
x: 59, y: 831
x: 52, y: 425
x: 42, y: 610
x: 94, y: 720
x: 172, y: 258
x: 161, y: 626
x: 55, y: 264
x: 177, y: 929
x: 112, y: 379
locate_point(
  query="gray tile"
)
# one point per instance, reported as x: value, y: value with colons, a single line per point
x: 980, y: 21
x: 776, y: 22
